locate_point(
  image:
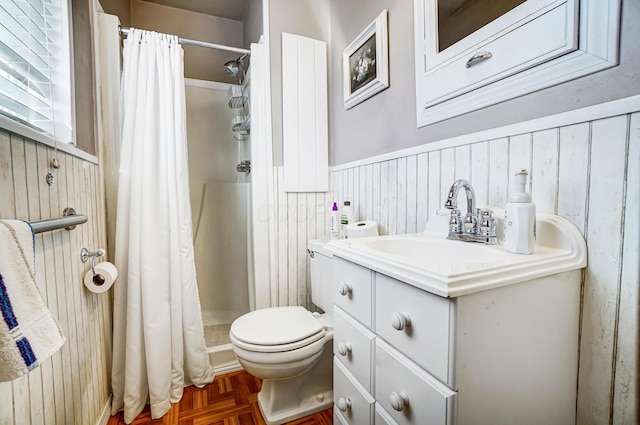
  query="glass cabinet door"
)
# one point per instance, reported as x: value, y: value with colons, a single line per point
x: 459, y: 18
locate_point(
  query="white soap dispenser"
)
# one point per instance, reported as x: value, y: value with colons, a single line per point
x: 520, y: 219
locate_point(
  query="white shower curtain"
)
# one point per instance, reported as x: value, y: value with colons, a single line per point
x: 158, y: 334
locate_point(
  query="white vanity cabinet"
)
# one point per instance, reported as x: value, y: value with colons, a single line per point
x: 498, y: 355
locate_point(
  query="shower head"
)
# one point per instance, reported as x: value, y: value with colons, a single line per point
x: 233, y: 66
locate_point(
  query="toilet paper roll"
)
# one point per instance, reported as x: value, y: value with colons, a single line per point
x: 362, y: 229
x: 106, y: 274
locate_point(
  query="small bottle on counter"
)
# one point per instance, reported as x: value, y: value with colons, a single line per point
x: 335, y: 222
x: 345, y: 219
x: 520, y: 219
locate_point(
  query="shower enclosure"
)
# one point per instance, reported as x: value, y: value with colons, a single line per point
x: 220, y: 191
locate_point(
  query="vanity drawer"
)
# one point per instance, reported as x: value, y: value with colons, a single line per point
x: 415, y: 322
x: 353, y: 347
x: 407, y: 393
x: 382, y: 417
x: 352, y: 402
x: 352, y: 289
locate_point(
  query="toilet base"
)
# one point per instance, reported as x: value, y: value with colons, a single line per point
x: 284, y: 400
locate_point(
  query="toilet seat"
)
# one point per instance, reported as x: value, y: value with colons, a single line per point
x: 276, y: 329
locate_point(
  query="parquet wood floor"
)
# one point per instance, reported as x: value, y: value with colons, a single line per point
x: 231, y: 399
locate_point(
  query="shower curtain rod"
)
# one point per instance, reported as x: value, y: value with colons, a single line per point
x: 125, y: 31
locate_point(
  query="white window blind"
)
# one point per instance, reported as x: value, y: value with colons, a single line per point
x: 35, y: 69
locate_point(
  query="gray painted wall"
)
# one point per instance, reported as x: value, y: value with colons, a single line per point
x: 252, y: 23
x: 387, y: 121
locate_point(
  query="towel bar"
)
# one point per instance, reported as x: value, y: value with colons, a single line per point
x: 68, y: 221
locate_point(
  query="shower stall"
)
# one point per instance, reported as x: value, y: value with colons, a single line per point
x: 230, y: 160
x: 218, y: 141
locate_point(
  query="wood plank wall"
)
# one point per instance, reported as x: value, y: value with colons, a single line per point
x: 299, y: 218
x: 585, y: 172
x: 73, y: 386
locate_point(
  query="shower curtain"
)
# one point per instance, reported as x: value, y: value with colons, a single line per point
x: 158, y: 335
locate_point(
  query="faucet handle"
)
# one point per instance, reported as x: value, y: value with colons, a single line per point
x: 455, y: 221
x: 487, y: 226
x: 471, y: 224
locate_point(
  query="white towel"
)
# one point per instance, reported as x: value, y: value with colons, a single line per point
x: 28, y: 332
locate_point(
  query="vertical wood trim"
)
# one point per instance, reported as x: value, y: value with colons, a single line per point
x: 384, y: 198
x: 498, y: 171
x: 433, y: 188
x: 283, y: 275
x: 401, y: 206
x: 411, y: 192
x: 6, y: 177
x: 480, y: 171
x: 321, y: 106
x: 462, y: 162
x: 626, y: 365
x: 573, y: 169
x: 290, y: 118
x: 362, y: 193
x: 393, y: 196
x: 603, y: 236
x: 448, y: 176
x: 544, y: 171
x: 422, y: 185
x: 519, y: 159
x: 376, y: 195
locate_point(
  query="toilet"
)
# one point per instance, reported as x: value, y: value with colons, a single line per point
x: 291, y: 349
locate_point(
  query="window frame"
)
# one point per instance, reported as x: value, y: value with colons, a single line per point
x: 66, y: 97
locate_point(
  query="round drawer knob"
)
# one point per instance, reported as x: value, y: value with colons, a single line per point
x: 345, y: 288
x: 344, y: 348
x: 400, y: 320
x: 344, y: 404
x: 398, y: 400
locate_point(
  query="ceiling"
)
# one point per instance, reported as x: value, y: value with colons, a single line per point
x: 228, y: 9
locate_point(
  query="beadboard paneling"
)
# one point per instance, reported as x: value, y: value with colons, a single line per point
x: 579, y: 171
x: 299, y: 218
x: 72, y: 387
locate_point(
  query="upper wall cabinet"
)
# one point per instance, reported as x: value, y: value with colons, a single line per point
x: 475, y: 53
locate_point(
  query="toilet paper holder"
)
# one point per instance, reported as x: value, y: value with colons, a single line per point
x: 85, y: 254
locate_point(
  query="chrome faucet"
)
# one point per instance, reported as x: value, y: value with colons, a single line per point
x: 478, y: 224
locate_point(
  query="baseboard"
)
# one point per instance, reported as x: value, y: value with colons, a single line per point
x: 106, y: 412
x: 227, y: 368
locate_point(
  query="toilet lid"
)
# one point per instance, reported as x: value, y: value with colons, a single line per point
x: 276, y: 326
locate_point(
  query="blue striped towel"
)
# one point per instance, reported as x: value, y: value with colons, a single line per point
x: 28, y: 332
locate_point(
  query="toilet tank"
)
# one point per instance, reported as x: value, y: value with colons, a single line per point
x: 320, y: 264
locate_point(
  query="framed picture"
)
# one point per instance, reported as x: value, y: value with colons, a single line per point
x: 365, y: 63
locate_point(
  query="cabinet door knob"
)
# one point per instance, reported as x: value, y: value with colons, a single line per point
x: 400, y: 320
x: 344, y: 404
x: 345, y: 288
x: 344, y: 348
x: 399, y: 400
x: 477, y: 58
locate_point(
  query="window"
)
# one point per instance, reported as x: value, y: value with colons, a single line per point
x: 35, y: 69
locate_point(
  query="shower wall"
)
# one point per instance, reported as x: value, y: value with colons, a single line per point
x: 219, y: 202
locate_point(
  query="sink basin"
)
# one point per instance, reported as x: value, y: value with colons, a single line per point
x: 432, y: 250
x: 452, y: 268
